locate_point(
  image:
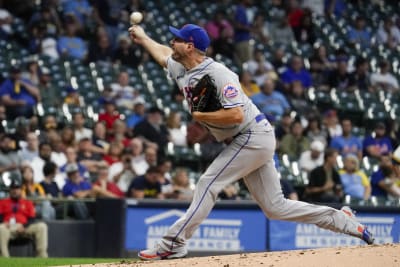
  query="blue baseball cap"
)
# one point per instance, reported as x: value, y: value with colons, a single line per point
x: 192, y: 33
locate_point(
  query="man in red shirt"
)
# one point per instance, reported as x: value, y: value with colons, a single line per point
x: 17, y: 216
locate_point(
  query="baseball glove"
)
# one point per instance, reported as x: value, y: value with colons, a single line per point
x: 204, y: 96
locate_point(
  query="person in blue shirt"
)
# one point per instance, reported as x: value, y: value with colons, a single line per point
x: 296, y: 72
x: 347, y: 143
x: 270, y: 101
x: 75, y: 185
x: 18, y: 95
x: 138, y: 115
x: 359, y: 34
x: 70, y: 45
x: 81, y: 9
x: 377, y: 144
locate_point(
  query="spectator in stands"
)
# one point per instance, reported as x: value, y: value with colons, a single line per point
x: 143, y: 158
x: 320, y: 66
x: 294, y: 143
x: 119, y: 133
x: 282, y: 34
x: 122, y: 172
x: 31, y: 72
x: 347, y: 143
x: 48, y: 92
x: 31, y: 150
x: 164, y: 167
x: 297, y: 98
x: 30, y: 188
x: 138, y: 113
x: 50, y: 187
x: 248, y: 84
x: 18, y: 95
x: 58, y: 149
x: 355, y: 183
x: 47, y: 16
x: 294, y: 14
x: 72, y: 158
x: 73, y: 97
x: 331, y: 124
x: 242, y: 36
x: 100, y: 50
x: 146, y: 186
x: 181, y: 188
x: 49, y: 126
x: 18, y: 220
x: 68, y: 137
x: 108, y: 13
x: 37, y: 163
x: 359, y: 34
x: 279, y: 60
x: 89, y: 158
x: 324, y: 181
x: 385, y: 180
x: 110, y: 114
x: 176, y: 130
x: 221, y: 33
x: 42, y: 43
x: 388, y: 33
x: 34, y: 190
x: 361, y: 75
x: 384, y: 79
x: 340, y: 78
x: 378, y: 143
x: 153, y: 129
x: 305, y: 32
x: 78, y: 121
x: 104, y: 184
x: 312, y: 158
x: 71, y: 45
x: 296, y: 72
x: 10, y: 161
x: 269, y: 101
x: 99, y: 137
x: 126, y: 54
x: 314, y: 130
x: 78, y: 187
x: 259, y: 68
x: 283, y: 126
x: 260, y: 29
x: 114, y: 153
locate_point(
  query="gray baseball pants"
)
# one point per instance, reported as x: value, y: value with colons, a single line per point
x: 250, y: 155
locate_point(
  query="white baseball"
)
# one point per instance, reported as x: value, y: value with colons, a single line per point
x: 136, y: 17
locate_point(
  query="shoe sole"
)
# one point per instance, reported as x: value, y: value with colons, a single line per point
x: 161, y: 257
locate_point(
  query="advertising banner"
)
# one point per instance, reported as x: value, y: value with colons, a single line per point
x: 289, y: 235
x: 223, y: 230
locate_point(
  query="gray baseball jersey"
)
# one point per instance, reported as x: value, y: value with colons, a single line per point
x: 229, y: 91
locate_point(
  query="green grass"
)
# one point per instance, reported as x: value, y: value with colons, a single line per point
x: 40, y: 262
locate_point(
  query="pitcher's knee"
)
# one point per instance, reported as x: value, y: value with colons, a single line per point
x: 276, y: 210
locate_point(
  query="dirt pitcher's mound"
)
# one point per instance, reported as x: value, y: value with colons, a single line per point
x: 364, y: 256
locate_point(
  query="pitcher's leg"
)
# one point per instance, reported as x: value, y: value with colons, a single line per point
x: 264, y: 186
x: 232, y: 164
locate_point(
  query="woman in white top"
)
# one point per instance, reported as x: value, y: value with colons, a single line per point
x: 177, y: 129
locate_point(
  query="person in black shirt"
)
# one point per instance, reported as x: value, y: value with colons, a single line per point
x: 50, y: 187
x: 146, y: 186
x: 324, y: 181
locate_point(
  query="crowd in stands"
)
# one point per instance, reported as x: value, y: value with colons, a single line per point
x: 117, y: 155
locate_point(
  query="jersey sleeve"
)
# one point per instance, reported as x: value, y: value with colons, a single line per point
x: 174, y: 68
x: 229, y: 90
